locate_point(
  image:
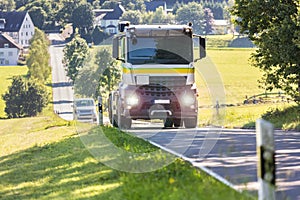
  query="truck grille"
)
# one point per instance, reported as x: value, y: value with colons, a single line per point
x: 159, y: 90
x: 168, y: 81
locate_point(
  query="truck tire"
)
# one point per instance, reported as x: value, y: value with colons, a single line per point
x: 168, y: 122
x: 124, y: 122
x: 114, y: 121
x: 190, y: 122
x: 177, y: 122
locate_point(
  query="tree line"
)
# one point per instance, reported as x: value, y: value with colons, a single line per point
x: 46, y: 14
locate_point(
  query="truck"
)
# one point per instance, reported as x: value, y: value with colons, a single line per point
x: 158, y: 75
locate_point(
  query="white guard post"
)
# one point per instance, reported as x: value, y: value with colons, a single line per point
x: 266, y: 160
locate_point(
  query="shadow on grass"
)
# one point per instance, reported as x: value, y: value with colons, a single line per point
x: 63, y: 170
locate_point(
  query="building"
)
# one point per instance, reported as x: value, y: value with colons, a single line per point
x: 151, y: 6
x: 221, y: 27
x: 17, y: 25
x: 108, y: 19
x: 9, y: 50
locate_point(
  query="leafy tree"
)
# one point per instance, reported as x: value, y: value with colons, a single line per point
x: 107, y: 69
x: 25, y: 98
x: 38, y: 58
x: 110, y: 4
x: 98, y: 35
x: 83, y: 19
x: 191, y: 12
x: 100, y: 77
x: 133, y: 16
x: 75, y: 54
x: 7, y: 5
x: 274, y: 27
x: 208, y: 21
x: 38, y: 16
x: 64, y: 14
x: 159, y: 16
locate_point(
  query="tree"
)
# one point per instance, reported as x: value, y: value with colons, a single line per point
x: 99, y: 77
x: 191, y: 12
x: 208, y: 21
x: 274, y: 27
x: 38, y: 16
x: 64, y: 14
x: 133, y: 16
x: 75, y: 54
x: 98, y: 35
x: 38, y: 58
x: 83, y: 19
x: 7, y: 5
x: 160, y: 16
x: 107, y: 69
x: 25, y: 98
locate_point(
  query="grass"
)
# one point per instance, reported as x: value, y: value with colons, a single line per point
x: 218, y: 41
x: 37, y: 162
x: 6, y: 73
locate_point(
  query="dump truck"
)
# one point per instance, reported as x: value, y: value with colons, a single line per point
x: 158, y: 75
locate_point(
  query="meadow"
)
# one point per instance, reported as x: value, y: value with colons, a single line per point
x: 6, y: 73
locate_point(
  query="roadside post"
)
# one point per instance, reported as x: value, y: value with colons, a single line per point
x: 266, y: 160
x: 100, y: 110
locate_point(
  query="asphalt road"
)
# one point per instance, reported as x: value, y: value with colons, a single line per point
x: 232, y: 154
x: 62, y: 87
x: 229, y: 153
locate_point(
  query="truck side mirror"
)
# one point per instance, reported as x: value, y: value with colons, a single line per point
x: 115, y: 48
x: 202, y: 46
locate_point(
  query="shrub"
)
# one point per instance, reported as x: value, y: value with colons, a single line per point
x: 25, y: 98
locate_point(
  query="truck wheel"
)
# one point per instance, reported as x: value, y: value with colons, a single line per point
x: 168, y: 122
x: 114, y: 121
x: 177, y: 122
x: 124, y: 122
x: 190, y: 122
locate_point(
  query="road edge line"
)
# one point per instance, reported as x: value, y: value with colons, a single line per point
x: 205, y: 169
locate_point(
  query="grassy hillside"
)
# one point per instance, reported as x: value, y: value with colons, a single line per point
x: 6, y: 72
x: 38, y: 161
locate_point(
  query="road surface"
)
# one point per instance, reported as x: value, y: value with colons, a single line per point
x: 233, y: 156
x: 62, y: 87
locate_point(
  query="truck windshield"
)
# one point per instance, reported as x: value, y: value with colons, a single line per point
x: 160, y: 50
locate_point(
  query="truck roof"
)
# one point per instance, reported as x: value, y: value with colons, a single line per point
x: 159, y: 27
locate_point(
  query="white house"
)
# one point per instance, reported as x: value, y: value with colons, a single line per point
x: 9, y: 50
x: 17, y: 25
x: 108, y: 19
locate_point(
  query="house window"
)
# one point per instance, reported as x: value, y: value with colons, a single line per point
x: 21, y: 33
x: 6, y: 45
x: 21, y: 41
x: 1, y: 54
x: 7, y: 62
x: 31, y: 33
x: 26, y: 33
x: 10, y: 53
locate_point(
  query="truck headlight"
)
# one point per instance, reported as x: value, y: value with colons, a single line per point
x: 132, y: 100
x: 188, y: 99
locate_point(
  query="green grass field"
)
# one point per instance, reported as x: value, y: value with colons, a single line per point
x: 6, y: 73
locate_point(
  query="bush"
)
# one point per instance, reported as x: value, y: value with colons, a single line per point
x: 25, y: 98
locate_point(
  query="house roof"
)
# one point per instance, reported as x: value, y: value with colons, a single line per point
x: 153, y: 5
x: 13, y: 20
x: 115, y: 14
x: 4, y: 38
